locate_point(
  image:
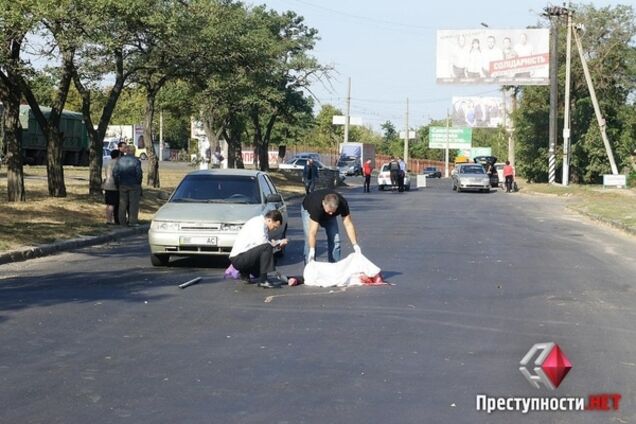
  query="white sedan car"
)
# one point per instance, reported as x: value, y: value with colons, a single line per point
x: 206, y: 211
x: 384, y: 179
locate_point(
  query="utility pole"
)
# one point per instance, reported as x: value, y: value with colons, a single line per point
x: 566, y: 113
x: 406, y: 132
x: 552, y: 13
x: 447, y: 141
x: 599, y: 117
x: 347, y: 113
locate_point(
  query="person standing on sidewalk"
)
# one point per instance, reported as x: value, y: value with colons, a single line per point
x: 111, y: 193
x: 128, y: 176
x: 310, y: 176
x: 366, y: 171
x: 509, y: 175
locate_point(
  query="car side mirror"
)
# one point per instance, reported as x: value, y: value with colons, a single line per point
x: 273, y: 198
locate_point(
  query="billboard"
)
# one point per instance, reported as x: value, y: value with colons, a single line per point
x: 486, y: 56
x: 478, y: 112
x: 452, y: 138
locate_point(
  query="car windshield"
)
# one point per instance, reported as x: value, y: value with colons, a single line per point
x: 346, y: 162
x: 474, y: 169
x: 217, y: 189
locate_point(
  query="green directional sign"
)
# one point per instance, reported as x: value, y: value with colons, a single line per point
x: 453, y: 138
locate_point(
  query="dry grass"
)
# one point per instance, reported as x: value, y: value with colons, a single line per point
x: 43, y: 219
x: 615, y: 205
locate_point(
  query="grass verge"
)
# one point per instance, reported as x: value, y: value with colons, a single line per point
x: 614, y: 206
x: 43, y: 219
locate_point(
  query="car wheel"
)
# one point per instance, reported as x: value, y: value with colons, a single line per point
x: 459, y: 189
x: 159, y: 260
x: 381, y: 188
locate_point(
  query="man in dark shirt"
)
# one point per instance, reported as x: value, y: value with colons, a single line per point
x: 310, y: 176
x: 128, y: 177
x: 321, y: 208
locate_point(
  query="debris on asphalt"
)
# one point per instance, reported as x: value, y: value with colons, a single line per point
x: 189, y: 283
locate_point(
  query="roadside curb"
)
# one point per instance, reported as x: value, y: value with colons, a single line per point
x: 66, y: 245
x: 57, y: 247
x: 598, y: 218
x: 610, y: 222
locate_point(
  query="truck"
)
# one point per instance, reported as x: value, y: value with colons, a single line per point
x: 75, y: 146
x: 353, y: 155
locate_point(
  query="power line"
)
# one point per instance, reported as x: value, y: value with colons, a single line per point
x: 366, y: 18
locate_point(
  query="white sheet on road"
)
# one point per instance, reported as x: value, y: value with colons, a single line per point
x: 346, y: 272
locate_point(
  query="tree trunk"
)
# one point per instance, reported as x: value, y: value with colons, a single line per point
x: 54, y: 165
x: 233, y: 137
x: 96, y: 148
x: 264, y: 146
x: 258, y: 140
x: 10, y: 94
x: 96, y: 135
x: 149, y: 114
x: 13, y: 138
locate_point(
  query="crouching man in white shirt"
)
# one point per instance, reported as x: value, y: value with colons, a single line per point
x: 253, y: 252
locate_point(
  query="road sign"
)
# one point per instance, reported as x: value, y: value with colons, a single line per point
x: 453, y: 138
x: 411, y: 135
x: 341, y: 119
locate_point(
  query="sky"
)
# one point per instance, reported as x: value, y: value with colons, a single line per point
x: 388, y: 50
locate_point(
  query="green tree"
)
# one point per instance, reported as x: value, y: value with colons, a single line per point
x: 287, y: 70
x: 323, y: 133
x: 611, y: 55
x: 15, y: 24
x: 110, y: 30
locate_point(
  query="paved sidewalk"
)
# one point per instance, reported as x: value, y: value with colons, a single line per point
x: 61, y: 246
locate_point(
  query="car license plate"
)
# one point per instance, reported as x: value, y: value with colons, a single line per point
x: 197, y: 240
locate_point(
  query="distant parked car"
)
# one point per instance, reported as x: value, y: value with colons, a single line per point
x: 488, y: 162
x: 384, y: 179
x: 206, y: 211
x: 499, y: 168
x: 432, y: 172
x: 349, y: 165
x: 470, y: 176
x: 110, y: 143
x: 304, y: 155
x: 299, y: 163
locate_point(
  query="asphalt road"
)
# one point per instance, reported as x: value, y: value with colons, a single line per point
x: 100, y: 336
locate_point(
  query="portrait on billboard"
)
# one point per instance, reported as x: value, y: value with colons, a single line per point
x: 506, y: 57
x: 478, y: 112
